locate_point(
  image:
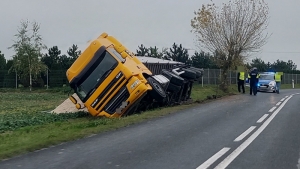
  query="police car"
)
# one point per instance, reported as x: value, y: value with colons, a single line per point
x: 266, y: 82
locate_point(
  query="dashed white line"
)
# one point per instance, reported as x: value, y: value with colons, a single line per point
x: 272, y: 109
x: 246, y: 143
x: 262, y: 118
x: 282, y: 100
x: 214, y: 158
x: 243, y: 135
x: 278, y: 103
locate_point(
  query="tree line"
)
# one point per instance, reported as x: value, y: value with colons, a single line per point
x: 230, y: 32
x: 30, y: 64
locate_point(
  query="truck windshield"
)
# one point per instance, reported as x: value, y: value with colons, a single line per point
x: 96, y: 75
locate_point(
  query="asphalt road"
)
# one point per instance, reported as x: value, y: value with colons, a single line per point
x: 237, y: 132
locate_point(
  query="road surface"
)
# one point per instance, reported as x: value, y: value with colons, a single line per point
x: 236, y: 132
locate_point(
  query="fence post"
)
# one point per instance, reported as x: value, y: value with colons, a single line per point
x: 208, y: 76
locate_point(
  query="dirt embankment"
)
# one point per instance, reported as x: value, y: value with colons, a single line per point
x: 68, y: 107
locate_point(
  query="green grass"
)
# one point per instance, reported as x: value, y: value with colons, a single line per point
x: 25, y: 128
x: 12, y: 102
x: 289, y: 86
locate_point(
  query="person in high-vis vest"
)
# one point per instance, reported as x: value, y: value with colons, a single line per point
x: 253, y: 77
x: 278, y: 79
x: 241, y: 81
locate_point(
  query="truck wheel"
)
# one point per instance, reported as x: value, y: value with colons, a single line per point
x: 198, y: 73
x: 173, y: 88
x: 188, y: 74
x: 157, y: 91
x: 175, y: 79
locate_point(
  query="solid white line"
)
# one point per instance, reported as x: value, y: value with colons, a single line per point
x: 246, y: 143
x: 278, y: 103
x: 243, y: 135
x: 282, y: 100
x: 272, y: 109
x: 214, y: 158
x: 262, y: 118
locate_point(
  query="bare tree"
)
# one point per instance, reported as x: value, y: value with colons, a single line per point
x: 231, y: 32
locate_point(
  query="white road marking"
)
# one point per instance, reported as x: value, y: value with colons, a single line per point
x: 262, y: 118
x: 278, y: 103
x: 214, y: 158
x: 282, y: 100
x: 272, y: 109
x: 243, y: 135
x: 246, y: 143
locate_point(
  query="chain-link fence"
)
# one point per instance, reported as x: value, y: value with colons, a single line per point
x: 57, y: 78
x: 212, y: 76
x: 53, y: 78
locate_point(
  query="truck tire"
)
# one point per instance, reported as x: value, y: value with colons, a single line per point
x: 173, y: 88
x: 198, y: 73
x: 189, y: 74
x: 175, y: 79
x: 157, y: 91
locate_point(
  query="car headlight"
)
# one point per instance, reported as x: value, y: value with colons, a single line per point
x: 272, y: 84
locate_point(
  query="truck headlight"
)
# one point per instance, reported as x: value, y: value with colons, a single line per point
x: 134, y: 84
x: 272, y: 84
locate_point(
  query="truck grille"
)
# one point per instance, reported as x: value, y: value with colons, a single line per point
x: 117, y: 100
x: 109, y: 89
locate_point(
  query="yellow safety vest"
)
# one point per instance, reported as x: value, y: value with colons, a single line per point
x: 277, y: 78
x: 257, y: 76
x: 242, y: 76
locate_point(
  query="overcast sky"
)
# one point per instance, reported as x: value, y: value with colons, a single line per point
x: 133, y: 22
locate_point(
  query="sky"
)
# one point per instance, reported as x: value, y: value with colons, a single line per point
x: 134, y: 22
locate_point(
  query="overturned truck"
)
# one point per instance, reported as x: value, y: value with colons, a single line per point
x: 112, y: 82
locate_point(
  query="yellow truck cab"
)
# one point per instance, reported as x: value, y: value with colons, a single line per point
x: 108, y: 78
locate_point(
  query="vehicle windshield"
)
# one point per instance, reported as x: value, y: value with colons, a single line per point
x: 96, y: 75
x: 266, y: 77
